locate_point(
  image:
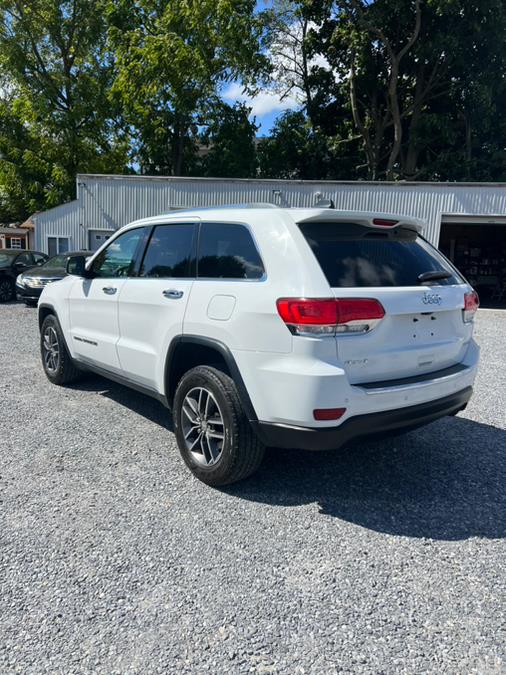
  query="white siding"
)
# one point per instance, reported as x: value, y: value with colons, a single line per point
x: 63, y: 221
x: 108, y: 202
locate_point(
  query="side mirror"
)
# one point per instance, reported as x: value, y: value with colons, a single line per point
x: 19, y: 266
x: 76, y: 265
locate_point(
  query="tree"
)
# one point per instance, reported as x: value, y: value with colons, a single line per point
x: 172, y: 59
x: 228, y: 143
x: 56, y: 118
x: 414, y: 74
x: 294, y: 150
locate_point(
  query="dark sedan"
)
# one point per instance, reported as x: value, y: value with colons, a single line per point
x: 30, y: 284
x: 12, y: 263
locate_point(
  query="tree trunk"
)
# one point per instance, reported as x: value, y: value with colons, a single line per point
x: 370, y: 152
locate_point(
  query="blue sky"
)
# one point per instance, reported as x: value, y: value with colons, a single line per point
x: 266, y: 106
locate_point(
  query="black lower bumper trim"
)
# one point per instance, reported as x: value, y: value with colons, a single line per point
x: 362, y: 427
x: 29, y: 294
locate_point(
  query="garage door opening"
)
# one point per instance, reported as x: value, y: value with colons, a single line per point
x: 478, y: 250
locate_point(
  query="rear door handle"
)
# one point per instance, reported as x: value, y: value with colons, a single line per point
x: 173, y: 294
x: 109, y: 290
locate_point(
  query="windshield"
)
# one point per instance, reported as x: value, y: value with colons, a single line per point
x: 57, y: 262
x: 353, y: 256
x: 7, y: 256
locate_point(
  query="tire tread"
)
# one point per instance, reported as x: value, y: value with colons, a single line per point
x: 248, y: 451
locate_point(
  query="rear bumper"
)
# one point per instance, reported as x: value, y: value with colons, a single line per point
x: 362, y: 427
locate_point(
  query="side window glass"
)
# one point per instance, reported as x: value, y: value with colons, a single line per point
x: 169, y: 252
x: 227, y: 251
x: 25, y: 259
x: 39, y: 259
x: 120, y: 257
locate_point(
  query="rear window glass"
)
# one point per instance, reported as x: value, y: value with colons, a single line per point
x: 227, y: 251
x: 354, y: 256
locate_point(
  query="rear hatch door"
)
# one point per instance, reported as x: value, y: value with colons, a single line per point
x: 423, y: 330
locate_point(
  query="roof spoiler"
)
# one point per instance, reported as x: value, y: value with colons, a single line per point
x: 376, y: 221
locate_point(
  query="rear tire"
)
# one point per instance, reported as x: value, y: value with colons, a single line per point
x: 7, y: 290
x: 214, y: 435
x: 56, y: 360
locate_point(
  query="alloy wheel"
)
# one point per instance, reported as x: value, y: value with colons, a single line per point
x: 51, y: 350
x: 5, y: 290
x: 203, y: 426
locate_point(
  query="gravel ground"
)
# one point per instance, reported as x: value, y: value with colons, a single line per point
x: 390, y: 558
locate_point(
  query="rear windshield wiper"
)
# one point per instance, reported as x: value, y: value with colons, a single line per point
x: 433, y: 275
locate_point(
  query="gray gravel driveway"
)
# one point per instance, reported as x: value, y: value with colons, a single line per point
x: 390, y: 558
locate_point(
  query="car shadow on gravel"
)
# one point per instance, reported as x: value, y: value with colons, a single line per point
x: 139, y: 403
x: 446, y: 481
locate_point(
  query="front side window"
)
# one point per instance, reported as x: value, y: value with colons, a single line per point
x: 120, y: 257
x: 169, y: 252
x: 227, y: 251
x: 24, y: 259
x: 353, y: 256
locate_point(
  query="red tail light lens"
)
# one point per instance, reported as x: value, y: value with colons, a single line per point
x: 358, y: 309
x: 384, y: 222
x: 328, y: 316
x: 304, y: 312
x: 471, y: 304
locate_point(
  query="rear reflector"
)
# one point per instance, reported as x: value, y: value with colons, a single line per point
x: 326, y: 414
x: 471, y: 304
x: 328, y: 316
x: 384, y: 222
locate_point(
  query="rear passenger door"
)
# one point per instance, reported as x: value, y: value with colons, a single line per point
x: 227, y: 302
x: 152, y: 305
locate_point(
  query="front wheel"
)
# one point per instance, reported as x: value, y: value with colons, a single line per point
x: 7, y: 290
x: 213, y: 433
x: 56, y: 360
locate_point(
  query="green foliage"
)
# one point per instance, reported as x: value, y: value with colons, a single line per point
x: 228, y: 144
x: 293, y: 150
x: 400, y: 89
x: 172, y: 58
x: 447, y: 91
x: 56, y: 115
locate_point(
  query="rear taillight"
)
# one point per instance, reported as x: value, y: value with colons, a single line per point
x: 471, y: 304
x: 330, y: 316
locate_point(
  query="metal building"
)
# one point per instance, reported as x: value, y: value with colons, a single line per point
x: 466, y: 220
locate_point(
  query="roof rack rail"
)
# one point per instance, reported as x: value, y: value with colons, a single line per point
x: 245, y: 205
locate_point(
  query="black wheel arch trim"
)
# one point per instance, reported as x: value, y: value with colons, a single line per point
x: 227, y: 356
x: 43, y: 306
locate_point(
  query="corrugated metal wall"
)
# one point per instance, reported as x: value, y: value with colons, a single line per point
x: 63, y: 221
x: 108, y: 202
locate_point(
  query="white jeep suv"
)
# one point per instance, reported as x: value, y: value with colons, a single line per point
x: 263, y: 326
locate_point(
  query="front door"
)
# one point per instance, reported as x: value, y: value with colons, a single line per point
x: 152, y: 305
x: 94, y: 302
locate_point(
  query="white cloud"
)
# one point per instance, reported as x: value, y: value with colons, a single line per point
x: 263, y: 103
